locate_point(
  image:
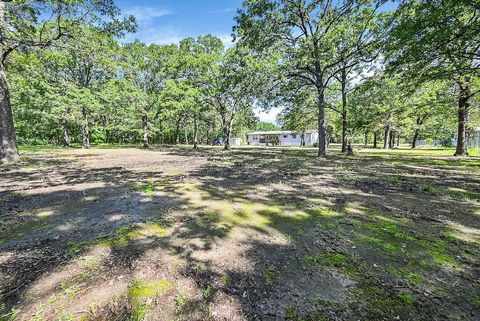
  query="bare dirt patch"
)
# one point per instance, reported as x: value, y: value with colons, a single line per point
x: 251, y: 234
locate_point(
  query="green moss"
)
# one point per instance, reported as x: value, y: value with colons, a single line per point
x: 140, y: 291
x: 382, y: 304
x: 414, y: 278
x: 75, y: 248
x: 406, y: 298
x: 328, y: 259
x: 438, y: 251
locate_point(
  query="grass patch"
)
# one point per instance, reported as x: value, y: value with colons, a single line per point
x: 348, y: 265
x: 142, y: 294
x: 270, y: 275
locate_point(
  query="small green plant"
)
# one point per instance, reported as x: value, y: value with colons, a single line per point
x: 430, y: 188
x: 290, y: 312
x: 180, y: 299
x: 226, y: 279
x: 149, y: 188
x: 271, y: 275
x: 207, y: 292
x: 477, y: 303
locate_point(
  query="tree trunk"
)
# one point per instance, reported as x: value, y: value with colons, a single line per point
x: 391, y: 142
x: 145, y: 129
x: 65, y: 136
x: 463, y: 108
x: 207, y: 134
x: 227, y: 131
x: 195, y: 133
x: 344, y: 132
x: 186, y: 135
x: 349, y: 149
x: 415, y: 138
x: 322, y: 150
x: 8, y: 139
x: 160, y: 135
x: 344, y: 111
x: 375, y: 139
x: 398, y: 140
x: 302, y: 139
x: 366, y: 139
x: 386, y: 138
x: 85, y: 130
x: 177, y: 132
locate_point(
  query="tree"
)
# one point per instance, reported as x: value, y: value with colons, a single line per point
x: 229, y: 87
x: 305, y: 32
x: 438, y: 40
x: 148, y: 67
x: 359, y: 44
x: 26, y: 24
x: 299, y: 114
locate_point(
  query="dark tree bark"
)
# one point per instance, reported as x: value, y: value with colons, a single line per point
x: 160, y: 137
x: 177, y: 131
x: 420, y: 121
x: 391, y: 142
x: 344, y: 110
x: 386, y: 138
x: 366, y: 139
x: 349, y: 149
x: 65, y: 136
x: 463, y: 109
x: 186, y: 135
x: 375, y: 139
x: 322, y: 142
x: 8, y: 139
x: 85, y: 129
x: 145, y: 129
x: 302, y: 139
x: 398, y: 140
x: 195, y: 133
x: 227, y: 131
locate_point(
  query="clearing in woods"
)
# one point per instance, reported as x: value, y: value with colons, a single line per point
x: 251, y: 234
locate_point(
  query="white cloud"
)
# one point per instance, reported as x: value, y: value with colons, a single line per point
x: 146, y: 14
x: 226, y: 10
x: 227, y: 40
x: 268, y: 116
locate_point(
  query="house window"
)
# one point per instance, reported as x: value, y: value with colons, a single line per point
x: 294, y: 136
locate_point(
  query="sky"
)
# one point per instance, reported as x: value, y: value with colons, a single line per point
x: 169, y: 21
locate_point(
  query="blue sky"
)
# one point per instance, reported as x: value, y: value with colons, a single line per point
x: 168, y: 21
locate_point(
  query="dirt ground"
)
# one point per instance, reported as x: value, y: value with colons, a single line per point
x: 250, y: 234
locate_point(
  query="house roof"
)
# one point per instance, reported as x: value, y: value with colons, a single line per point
x: 279, y: 132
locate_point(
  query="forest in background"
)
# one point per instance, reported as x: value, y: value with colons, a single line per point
x: 350, y: 69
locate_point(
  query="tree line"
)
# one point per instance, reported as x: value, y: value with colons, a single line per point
x: 379, y: 72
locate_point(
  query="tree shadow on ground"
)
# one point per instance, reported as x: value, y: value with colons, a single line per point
x: 282, y: 234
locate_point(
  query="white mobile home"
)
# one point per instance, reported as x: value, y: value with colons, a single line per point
x: 282, y: 138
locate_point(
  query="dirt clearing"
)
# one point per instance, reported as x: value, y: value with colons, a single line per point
x: 251, y: 234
